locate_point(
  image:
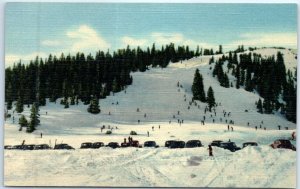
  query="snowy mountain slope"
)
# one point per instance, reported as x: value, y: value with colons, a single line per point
x: 155, y: 93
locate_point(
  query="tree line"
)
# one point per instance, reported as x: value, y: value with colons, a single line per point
x: 267, y: 76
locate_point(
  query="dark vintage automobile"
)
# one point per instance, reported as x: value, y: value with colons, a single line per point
x: 18, y: 147
x: 150, y: 144
x: 177, y: 144
x: 63, y: 147
x: 229, y: 146
x: 193, y: 144
x: 168, y: 143
x: 42, y: 147
x: 86, y: 145
x: 282, y: 143
x: 113, y: 145
x: 97, y: 144
x: 249, y: 144
x: 28, y: 147
x: 7, y: 147
x: 216, y: 143
x: 133, y: 143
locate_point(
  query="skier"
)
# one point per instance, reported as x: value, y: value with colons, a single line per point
x: 148, y: 133
x: 255, y: 127
x: 178, y: 112
x: 152, y: 128
x: 138, y: 121
x: 248, y: 124
x: 41, y: 135
x: 145, y: 115
x: 46, y: 113
x: 279, y: 127
x: 125, y: 140
x: 231, y: 128
x: 228, y: 127
x: 210, y: 151
x: 158, y: 126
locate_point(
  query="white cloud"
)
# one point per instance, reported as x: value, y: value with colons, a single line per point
x: 85, y: 39
x: 51, y: 43
x: 10, y: 59
x: 288, y: 40
x: 160, y: 39
x: 82, y: 39
x: 133, y: 42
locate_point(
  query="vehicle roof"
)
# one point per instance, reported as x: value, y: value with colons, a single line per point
x: 217, y: 141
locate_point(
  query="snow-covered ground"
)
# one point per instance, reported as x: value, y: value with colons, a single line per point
x: 155, y: 93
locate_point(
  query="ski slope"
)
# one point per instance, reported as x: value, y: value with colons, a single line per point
x: 160, y: 103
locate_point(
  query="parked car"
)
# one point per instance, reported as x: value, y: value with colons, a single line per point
x: 168, y: 143
x: 113, y: 145
x: 7, y: 147
x: 282, y: 143
x: 193, y: 144
x: 249, y: 144
x: 216, y: 143
x: 177, y: 144
x: 63, y: 147
x: 229, y: 146
x: 86, y: 145
x: 17, y: 147
x: 150, y: 144
x: 29, y: 147
x: 42, y: 147
x: 97, y: 144
x: 134, y: 143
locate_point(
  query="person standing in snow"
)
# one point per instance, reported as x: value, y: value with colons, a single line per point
x: 231, y: 128
x: 158, y: 126
x: 210, y: 150
x: 41, y: 135
x: 228, y: 127
x: 148, y: 133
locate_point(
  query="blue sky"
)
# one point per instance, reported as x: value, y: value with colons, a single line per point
x: 41, y: 28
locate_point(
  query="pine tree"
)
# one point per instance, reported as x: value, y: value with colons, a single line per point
x: 198, y: 87
x: 210, y: 98
x: 267, y: 105
x: 259, y: 106
x: 115, y: 86
x: 226, y: 81
x: 19, y: 105
x: 23, y: 121
x: 237, y: 75
x: 34, y: 119
x: 94, y: 106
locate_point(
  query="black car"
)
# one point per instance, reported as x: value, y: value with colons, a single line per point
x: 63, y: 147
x: 150, y: 144
x: 193, y: 144
x: 28, y: 147
x: 113, y: 145
x: 86, y: 145
x: 216, y: 143
x: 249, y: 144
x: 168, y: 143
x: 229, y: 146
x: 282, y: 143
x: 42, y: 147
x: 18, y: 147
x: 97, y: 144
x: 177, y: 144
x: 7, y: 147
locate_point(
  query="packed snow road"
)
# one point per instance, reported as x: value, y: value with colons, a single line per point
x: 259, y: 166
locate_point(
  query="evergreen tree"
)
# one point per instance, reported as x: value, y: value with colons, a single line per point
x: 23, y: 121
x: 34, y: 119
x: 226, y: 81
x: 94, y: 106
x: 267, y: 105
x: 237, y: 75
x: 19, y: 105
x: 210, y: 98
x: 198, y: 87
x: 259, y: 106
